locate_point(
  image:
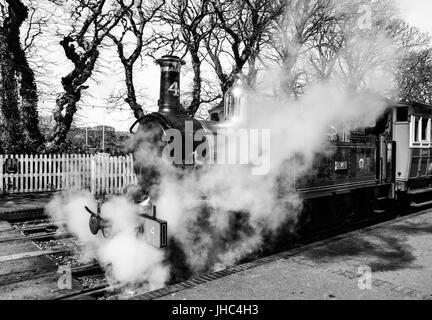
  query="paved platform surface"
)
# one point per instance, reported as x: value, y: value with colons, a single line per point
x: 399, y: 253
x: 24, y: 202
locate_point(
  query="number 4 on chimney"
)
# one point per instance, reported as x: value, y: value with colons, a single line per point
x: 175, y: 89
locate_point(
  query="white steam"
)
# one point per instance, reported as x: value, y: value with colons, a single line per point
x: 126, y: 258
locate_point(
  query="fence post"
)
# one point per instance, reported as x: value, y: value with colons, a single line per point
x: 31, y: 172
x: 93, y: 175
x: 24, y: 173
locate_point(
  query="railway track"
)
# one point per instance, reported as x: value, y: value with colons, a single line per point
x: 32, y: 252
x: 42, y: 232
x: 35, y: 228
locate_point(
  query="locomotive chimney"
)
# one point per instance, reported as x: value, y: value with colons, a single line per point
x: 170, y: 83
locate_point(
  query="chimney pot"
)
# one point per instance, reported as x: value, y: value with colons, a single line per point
x: 169, y: 100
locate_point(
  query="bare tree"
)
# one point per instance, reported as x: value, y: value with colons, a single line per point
x: 414, y: 77
x: 316, y: 40
x: 184, y: 26
x: 92, y: 22
x: 407, y: 37
x: 323, y: 56
x: 305, y: 33
x: 377, y: 47
x: 240, y: 31
x: 192, y: 19
x: 136, y: 16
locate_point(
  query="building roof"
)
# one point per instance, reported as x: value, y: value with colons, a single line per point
x: 216, y: 109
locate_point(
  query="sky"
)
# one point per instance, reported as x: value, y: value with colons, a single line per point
x: 93, y: 109
x: 418, y: 13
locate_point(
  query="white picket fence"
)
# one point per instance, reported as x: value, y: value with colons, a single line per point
x: 101, y: 174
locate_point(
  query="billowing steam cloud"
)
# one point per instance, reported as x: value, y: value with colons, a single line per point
x: 247, y: 207
x: 220, y: 214
x: 126, y: 258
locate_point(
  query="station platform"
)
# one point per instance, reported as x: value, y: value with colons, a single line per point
x: 398, y: 253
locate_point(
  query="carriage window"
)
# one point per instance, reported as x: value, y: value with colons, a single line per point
x: 214, y: 117
x: 420, y: 132
x: 416, y: 130
x: 402, y: 114
x: 430, y: 131
x: 424, y: 123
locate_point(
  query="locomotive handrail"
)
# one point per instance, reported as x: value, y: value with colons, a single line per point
x: 165, y: 122
x: 135, y: 123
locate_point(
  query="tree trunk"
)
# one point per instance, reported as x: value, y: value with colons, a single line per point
x: 253, y: 71
x: 68, y: 102
x: 196, y: 91
x: 28, y: 89
x: 20, y: 118
x: 131, y: 98
x: 12, y: 141
x: 73, y: 84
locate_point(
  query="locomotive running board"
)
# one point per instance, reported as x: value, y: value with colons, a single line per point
x: 421, y: 205
x: 419, y: 191
x: 307, y: 194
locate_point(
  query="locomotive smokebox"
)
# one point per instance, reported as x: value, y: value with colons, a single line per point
x: 170, y: 84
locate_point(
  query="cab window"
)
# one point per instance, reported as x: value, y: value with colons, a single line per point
x: 402, y: 114
x: 339, y: 134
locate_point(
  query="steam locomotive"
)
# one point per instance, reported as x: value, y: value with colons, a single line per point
x: 368, y: 173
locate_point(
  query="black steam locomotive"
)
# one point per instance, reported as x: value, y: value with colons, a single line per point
x: 369, y: 173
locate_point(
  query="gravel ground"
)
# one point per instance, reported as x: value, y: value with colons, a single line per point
x: 72, y: 260
x: 92, y: 281
x: 46, y: 245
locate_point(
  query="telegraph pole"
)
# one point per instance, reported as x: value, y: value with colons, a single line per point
x: 103, y: 138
